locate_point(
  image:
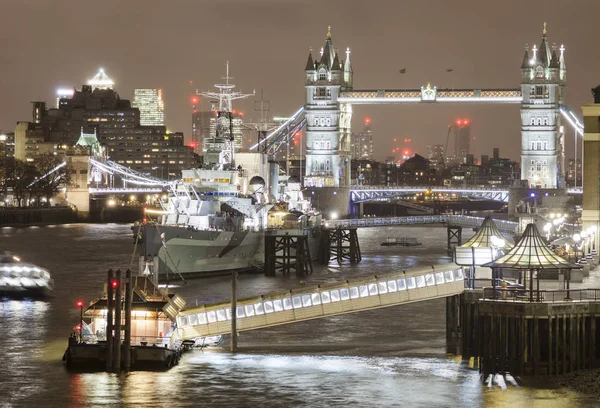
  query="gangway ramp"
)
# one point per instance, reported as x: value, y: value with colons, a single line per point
x: 349, y: 296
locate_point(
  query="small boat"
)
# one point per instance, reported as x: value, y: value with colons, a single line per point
x: 390, y: 241
x: 22, y: 279
x: 152, y: 324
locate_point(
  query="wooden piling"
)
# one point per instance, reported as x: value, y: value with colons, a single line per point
x: 118, y: 300
x: 109, y: 321
x: 128, y: 305
x: 234, y: 278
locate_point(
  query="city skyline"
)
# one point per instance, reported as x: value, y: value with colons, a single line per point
x: 490, y: 60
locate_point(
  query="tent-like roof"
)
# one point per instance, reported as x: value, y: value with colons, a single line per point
x: 531, y: 252
x: 483, y: 237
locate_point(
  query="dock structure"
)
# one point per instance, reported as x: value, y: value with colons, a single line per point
x: 340, y: 244
x: 454, y: 237
x: 287, y: 251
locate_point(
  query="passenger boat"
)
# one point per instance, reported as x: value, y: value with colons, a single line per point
x: 390, y: 241
x: 22, y: 279
x: 152, y: 324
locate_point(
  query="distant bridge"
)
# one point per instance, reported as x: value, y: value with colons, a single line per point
x: 459, y: 220
x: 361, y: 194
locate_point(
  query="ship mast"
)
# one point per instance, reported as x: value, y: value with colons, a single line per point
x: 221, y: 145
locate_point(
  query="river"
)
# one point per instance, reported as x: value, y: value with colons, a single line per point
x: 387, y: 357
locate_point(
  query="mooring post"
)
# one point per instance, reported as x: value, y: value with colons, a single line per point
x: 117, y: 346
x: 109, y: 321
x: 128, y: 304
x: 234, y: 277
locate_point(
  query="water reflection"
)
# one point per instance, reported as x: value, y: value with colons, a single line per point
x: 388, y: 357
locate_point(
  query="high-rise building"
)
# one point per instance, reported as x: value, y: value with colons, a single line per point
x: 462, y: 142
x: 200, y: 128
x: 151, y: 105
x: 116, y: 124
x: 362, y: 143
x: 543, y: 86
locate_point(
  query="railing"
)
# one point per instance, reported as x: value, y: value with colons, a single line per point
x: 525, y: 295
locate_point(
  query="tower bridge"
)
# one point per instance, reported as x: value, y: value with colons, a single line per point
x: 330, y: 95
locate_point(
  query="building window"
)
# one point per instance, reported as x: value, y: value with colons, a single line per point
x: 322, y: 76
x: 539, y: 90
x: 321, y: 92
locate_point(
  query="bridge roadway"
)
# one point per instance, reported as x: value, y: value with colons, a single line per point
x: 348, y: 296
x: 458, y: 220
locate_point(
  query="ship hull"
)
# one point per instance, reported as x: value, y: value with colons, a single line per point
x: 193, y: 252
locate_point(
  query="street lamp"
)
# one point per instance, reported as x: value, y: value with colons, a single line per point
x: 576, y: 239
x: 80, y: 306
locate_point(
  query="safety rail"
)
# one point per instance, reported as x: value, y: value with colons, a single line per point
x: 321, y: 301
x: 540, y: 296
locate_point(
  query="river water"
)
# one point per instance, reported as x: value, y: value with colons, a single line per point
x: 387, y: 357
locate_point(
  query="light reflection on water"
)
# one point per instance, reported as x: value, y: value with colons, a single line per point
x: 388, y: 357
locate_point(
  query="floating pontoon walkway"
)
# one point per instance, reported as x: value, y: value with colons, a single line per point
x: 322, y: 301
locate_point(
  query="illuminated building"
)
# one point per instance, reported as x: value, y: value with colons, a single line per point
x: 148, y: 149
x: 543, y: 86
x: 151, y: 105
x: 63, y: 93
x: 328, y: 134
x: 462, y: 141
x: 101, y: 81
x: 362, y: 143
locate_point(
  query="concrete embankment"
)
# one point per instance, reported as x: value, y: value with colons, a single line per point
x: 22, y: 217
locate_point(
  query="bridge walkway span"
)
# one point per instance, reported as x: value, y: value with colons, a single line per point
x: 349, y: 296
x: 459, y: 220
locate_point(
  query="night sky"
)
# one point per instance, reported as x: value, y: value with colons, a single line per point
x: 46, y: 44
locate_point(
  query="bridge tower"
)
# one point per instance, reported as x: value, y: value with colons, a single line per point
x: 328, y: 121
x: 543, y: 86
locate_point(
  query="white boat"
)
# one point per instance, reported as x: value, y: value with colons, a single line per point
x: 23, y: 279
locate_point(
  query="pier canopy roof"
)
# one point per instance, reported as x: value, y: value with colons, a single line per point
x: 531, y: 252
x: 489, y: 236
x: 483, y: 247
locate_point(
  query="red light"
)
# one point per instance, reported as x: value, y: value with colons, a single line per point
x: 295, y: 142
x: 241, y: 113
x: 406, y: 152
x: 459, y: 122
x: 233, y: 112
x: 144, y: 221
x: 395, y: 140
x: 194, y: 100
x: 114, y: 284
x: 466, y: 122
x: 77, y: 328
x: 79, y: 303
x: 367, y: 121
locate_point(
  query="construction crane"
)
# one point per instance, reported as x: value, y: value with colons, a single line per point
x: 444, y: 153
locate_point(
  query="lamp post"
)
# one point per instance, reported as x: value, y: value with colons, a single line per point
x: 80, y: 306
x: 3, y: 138
x: 576, y: 239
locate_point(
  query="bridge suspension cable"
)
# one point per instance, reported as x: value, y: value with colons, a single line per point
x: 130, y: 176
x: 283, y: 126
x: 54, y: 170
x: 572, y: 119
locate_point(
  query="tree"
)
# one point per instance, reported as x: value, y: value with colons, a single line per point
x: 52, y: 175
x: 19, y: 175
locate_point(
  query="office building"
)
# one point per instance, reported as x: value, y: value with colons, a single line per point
x: 462, y: 142
x: 151, y: 105
x: 362, y: 143
x: 200, y: 128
